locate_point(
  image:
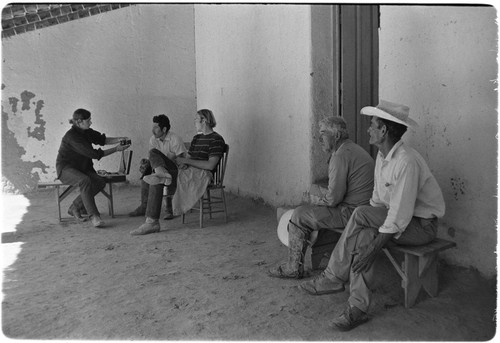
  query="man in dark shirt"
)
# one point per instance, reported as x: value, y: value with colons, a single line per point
x: 74, y: 163
x: 350, y: 184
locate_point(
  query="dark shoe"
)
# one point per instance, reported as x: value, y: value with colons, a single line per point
x: 350, y: 318
x: 138, y: 212
x: 321, y: 285
x: 146, y: 228
x: 168, y: 216
x: 282, y: 273
x: 74, y: 212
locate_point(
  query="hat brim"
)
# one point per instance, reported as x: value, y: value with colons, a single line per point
x: 374, y: 111
x: 283, y: 226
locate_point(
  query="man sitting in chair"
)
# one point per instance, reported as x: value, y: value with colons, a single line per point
x: 404, y: 209
x: 164, y: 147
x: 74, y: 164
x: 194, y: 173
x: 350, y: 184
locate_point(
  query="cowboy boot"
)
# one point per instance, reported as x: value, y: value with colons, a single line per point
x: 169, y: 213
x: 297, y: 246
x: 141, y: 210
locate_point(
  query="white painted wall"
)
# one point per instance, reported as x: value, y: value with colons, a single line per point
x: 125, y: 66
x: 441, y: 61
x: 253, y: 65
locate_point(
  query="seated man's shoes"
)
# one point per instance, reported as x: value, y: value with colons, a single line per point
x: 146, y: 228
x: 283, y: 272
x: 321, y: 285
x: 154, y: 179
x: 74, y: 212
x: 97, y: 221
x: 350, y: 318
x: 138, y: 212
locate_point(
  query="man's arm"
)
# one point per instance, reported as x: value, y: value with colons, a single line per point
x: 208, y: 165
x: 337, y: 182
x: 114, y: 140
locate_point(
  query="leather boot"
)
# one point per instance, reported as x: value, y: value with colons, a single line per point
x: 169, y: 213
x: 297, y: 246
x: 141, y: 210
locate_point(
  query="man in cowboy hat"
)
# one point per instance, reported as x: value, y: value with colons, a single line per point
x: 404, y: 209
x: 350, y: 184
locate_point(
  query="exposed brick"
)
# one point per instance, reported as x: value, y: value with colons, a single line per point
x: 7, y: 13
x: 54, y: 6
x: 62, y: 19
x: 18, y: 10
x: 30, y: 27
x: 44, y: 14
x: 20, y: 29
x: 83, y: 13
x: 105, y: 8
x: 8, y: 33
x: 32, y: 18
x: 20, y: 21
x: 43, y: 7
x: 94, y: 11
x: 76, y: 7
x: 73, y: 16
x: 30, y: 9
x: 115, y: 6
x: 55, y: 12
x: 8, y: 24
x: 52, y: 21
x: 124, y: 5
x: 89, y: 5
x: 66, y: 9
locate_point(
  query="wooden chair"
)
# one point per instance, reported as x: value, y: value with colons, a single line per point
x: 209, y: 200
x: 113, y: 177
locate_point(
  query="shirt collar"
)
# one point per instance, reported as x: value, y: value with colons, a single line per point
x: 393, y: 150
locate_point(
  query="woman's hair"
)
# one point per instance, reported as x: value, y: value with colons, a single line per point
x: 79, y: 114
x: 394, y: 130
x: 335, y: 123
x: 162, y: 121
x: 209, y: 117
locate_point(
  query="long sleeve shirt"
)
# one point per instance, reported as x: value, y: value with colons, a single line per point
x: 350, y: 177
x: 76, y: 150
x: 406, y: 187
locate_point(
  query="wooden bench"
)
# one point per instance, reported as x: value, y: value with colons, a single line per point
x: 120, y: 176
x: 418, y: 269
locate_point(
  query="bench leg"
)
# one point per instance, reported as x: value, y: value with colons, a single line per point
x: 58, y: 200
x: 429, y: 274
x: 421, y: 272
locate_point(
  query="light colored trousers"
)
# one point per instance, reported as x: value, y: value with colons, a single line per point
x: 360, y: 231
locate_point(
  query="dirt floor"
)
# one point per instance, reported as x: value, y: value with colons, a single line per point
x: 72, y: 281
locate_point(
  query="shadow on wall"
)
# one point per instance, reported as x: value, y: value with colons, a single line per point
x: 18, y: 175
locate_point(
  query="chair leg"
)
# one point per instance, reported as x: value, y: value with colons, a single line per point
x: 224, y: 204
x: 201, y: 210
x: 110, y: 201
x: 58, y: 203
x: 209, y: 203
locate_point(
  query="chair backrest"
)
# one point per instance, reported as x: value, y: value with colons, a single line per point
x: 125, y: 162
x: 220, y: 169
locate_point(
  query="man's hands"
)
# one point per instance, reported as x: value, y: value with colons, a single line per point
x: 120, y: 147
x: 368, y: 253
x: 144, y: 166
x: 366, y: 257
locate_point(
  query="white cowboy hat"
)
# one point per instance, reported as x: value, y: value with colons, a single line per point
x: 283, y: 226
x: 391, y: 111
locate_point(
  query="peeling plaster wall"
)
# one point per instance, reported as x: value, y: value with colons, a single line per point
x: 253, y: 66
x: 441, y: 61
x: 125, y: 66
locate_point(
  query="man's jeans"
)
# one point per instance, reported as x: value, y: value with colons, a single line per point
x: 360, y: 231
x: 90, y: 184
x: 155, y: 196
x: 309, y: 218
